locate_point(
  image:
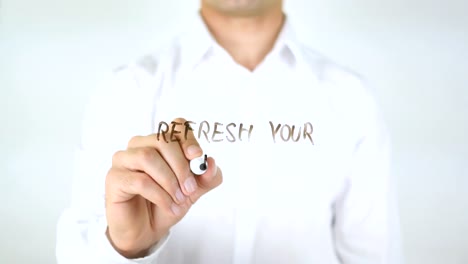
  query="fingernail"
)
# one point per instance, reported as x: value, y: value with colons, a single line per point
x: 190, y: 185
x: 176, y: 209
x: 194, y: 150
x: 180, y: 196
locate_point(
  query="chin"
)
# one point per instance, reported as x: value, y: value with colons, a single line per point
x: 241, y: 7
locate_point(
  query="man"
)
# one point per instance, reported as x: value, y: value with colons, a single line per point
x: 303, y: 152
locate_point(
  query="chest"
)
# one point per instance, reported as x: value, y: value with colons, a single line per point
x: 272, y: 137
x: 283, y: 157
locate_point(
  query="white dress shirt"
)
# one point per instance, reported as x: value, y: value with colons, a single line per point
x: 320, y: 195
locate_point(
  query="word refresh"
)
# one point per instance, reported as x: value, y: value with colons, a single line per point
x: 217, y: 132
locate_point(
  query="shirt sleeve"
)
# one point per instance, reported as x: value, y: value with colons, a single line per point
x: 118, y: 110
x: 366, y: 225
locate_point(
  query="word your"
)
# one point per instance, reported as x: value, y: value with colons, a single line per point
x: 232, y: 132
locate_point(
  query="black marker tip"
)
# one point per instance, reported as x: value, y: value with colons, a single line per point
x: 204, y: 165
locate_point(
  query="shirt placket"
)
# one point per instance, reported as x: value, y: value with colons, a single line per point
x: 246, y: 211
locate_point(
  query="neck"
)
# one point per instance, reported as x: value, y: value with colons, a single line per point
x: 247, y: 39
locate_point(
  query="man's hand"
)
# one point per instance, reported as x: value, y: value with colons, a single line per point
x: 150, y: 188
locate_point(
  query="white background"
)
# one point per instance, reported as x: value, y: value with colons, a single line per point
x: 415, y: 53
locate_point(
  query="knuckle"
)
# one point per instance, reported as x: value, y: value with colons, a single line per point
x: 116, y: 157
x: 159, y: 139
x: 162, y: 199
x: 179, y: 120
x: 116, y: 179
x: 154, y: 137
x: 165, y: 201
x: 170, y: 183
x: 137, y: 184
x: 174, y: 185
x: 133, y: 140
x: 181, y: 172
x: 146, y: 154
x: 125, y: 179
x: 111, y: 173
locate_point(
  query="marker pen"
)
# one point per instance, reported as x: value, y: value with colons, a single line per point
x: 199, y: 165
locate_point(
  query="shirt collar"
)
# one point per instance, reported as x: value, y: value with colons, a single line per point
x: 197, y: 42
x: 287, y: 44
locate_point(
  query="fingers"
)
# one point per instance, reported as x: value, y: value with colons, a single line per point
x: 211, y: 179
x: 188, y: 142
x: 177, y: 151
x: 123, y: 185
x: 148, y: 160
x: 179, y: 130
x: 173, y: 155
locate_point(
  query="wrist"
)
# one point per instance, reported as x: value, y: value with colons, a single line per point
x: 128, y: 250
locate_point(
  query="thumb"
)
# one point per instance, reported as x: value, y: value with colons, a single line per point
x: 211, y: 179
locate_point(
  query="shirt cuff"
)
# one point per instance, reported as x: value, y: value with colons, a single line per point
x: 105, y: 253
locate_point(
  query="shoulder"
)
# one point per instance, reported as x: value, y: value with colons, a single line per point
x: 149, y: 65
x: 140, y: 78
x: 349, y: 92
x: 331, y: 71
x: 122, y: 105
